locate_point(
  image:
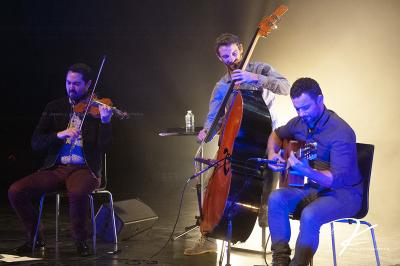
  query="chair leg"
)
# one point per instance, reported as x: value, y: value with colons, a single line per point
x: 35, y: 237
x: 378, y: 263
x: 113, y: 222
x: 221, y: 256
x: 371, y: 228
x: 333, y: 244
x: 93, y: 222
x: 57, y: 214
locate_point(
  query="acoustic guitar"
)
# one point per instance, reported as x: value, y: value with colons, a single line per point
x: 302, y: 151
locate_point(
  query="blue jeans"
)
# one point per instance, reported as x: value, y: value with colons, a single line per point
x: 329, y: 206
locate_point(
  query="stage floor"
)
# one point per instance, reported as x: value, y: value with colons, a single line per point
x: 139, y: 249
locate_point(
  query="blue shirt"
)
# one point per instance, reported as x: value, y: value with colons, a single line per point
x: 336, y: 147
x: 72, y: 150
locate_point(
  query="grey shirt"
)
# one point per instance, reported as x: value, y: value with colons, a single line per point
x: 270, y: 82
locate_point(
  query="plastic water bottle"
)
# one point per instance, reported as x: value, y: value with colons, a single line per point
x: 189, y: 122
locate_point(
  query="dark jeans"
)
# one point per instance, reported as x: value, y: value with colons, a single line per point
x: 78, y: 181
x: 331, y: 205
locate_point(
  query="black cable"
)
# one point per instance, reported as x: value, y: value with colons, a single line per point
x: 176, y: 221
x: 180, y: 207
x: 265, y: 249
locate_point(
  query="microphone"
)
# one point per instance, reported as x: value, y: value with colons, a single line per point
x: 209, y: 162
x: 267, y: 161
x: 205, y: 161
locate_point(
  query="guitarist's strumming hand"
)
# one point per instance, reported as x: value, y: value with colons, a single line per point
x: 298, y: 167
x: 301, y: 167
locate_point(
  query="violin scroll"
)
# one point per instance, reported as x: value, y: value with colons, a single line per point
x: 120, y: 114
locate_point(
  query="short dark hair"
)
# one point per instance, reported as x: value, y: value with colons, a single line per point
x: 305, y: 85
x: 83, y: 69
x: 226, y: 39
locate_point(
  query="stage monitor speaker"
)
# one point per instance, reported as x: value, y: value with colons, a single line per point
x: 131, y: 218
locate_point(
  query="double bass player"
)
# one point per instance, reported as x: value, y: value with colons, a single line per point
x: 257, y: 76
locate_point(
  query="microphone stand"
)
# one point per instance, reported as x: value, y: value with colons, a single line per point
x: 199, y: 191
x: 207, y: 168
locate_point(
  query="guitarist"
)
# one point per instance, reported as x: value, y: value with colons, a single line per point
x: 334, y: 187
x: 258, y: 76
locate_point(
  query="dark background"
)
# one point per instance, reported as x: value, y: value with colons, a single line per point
x: 160, y: 63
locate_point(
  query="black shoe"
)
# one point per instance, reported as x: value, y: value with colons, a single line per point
x: 280, y: 262
x: 82, y: 248
x: 280, y: 254
x: 27, y: 247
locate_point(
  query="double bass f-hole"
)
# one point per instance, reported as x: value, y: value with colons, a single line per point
x: 227, y: 157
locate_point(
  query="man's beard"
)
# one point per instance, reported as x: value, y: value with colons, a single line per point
x: 309, y: 121
x: 75, y: 98
x: 234, y: 66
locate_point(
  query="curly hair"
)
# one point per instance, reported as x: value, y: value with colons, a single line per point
x: 226, y: 39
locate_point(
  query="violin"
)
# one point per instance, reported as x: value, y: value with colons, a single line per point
x: 93, y: 109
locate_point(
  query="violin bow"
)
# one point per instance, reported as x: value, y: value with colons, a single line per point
x: 92, y: 94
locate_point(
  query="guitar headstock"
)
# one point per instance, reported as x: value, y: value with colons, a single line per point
x: 268, y: 23
x: 308, y: 151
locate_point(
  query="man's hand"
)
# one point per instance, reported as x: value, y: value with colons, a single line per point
x: 105, y: 113
x: 240, y: 76
x: 298, y: 167
x: 322, y: 177
x: 68, y: 133
x: 202, y: 135
x: 280, y: 162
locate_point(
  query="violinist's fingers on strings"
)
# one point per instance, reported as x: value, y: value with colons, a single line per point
x: 105, y: 108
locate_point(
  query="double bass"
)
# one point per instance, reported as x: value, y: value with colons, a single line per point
x: 232, y: 196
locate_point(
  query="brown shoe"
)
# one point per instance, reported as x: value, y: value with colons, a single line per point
x: 202, y: 245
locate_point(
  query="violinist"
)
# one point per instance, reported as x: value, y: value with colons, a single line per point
x: 73, y: 161
x: 257, y: 76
